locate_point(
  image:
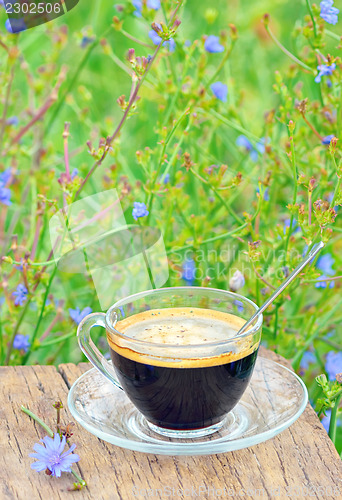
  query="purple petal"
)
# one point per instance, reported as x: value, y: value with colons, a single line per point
x: 70, y: 450
x: 60, y: 444
x: 56, y: 470
x: 38, y: 466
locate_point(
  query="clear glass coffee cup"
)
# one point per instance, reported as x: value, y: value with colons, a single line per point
x: 176, y: 354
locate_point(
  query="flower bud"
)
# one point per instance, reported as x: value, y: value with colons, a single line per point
x: 266, y: 19
x: 233, y: 32
x: 117, y: 23
x: 312, y: 184
x: 291, y: 126
x: 130, y: 55
x: 237, y: 281
x: 156, y: 28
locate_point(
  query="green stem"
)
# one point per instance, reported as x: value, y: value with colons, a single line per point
x: 81, y: 481
x: 136, y: 40
x: 253, y: 138
x: 147, y: 264
x: 1, y: 343
x: 294, y: 171
x: 37, y: 419
x: 56, y: 340
x: 75, y: 77
x: 15, y: 331
x: 51, y: 434
x: 333, y: 419
x: 275, y: 322
x: 287, y: 52
x: 6, y: 104
x: 161, y: 159
x: 338, y: 186
x: 330, y: 342
x: 221, y: 65
x: 179, y: 85
x: 41, y: 314
x: 228, y: 207
x: 81, y: 247
x: 312, y: 17
x: 208, y: 240
x: 333, y: 35
x: 322, y: 324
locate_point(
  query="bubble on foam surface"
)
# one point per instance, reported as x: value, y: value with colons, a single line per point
x: 181, y: 326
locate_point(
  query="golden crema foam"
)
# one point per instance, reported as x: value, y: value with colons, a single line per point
x: 185, y: 326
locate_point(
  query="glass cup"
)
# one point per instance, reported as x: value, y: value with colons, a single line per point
x: 182, y: 390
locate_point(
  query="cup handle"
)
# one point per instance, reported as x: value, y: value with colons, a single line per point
x: 89, y: 348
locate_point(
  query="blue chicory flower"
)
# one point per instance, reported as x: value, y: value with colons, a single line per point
x: 20, y: 295
x: 156, y: 39
x: 326, y: 420
x: 189, y: 271
x: 5, y: 196
x: 330, y: 198
x: 327, y: 139
x: 266, y: 194
x: 324, y: 284
x: 261, y: 146
x: 308, y: 358
x: 15, y: 25
x: 86, y: 40
x: 328, y: 12
x: 151, y: 4
x: 21, y: 342
x: 239, y: 305
x: 51, y: 455
x: 166, y: 178
x: 5, y: 176
x: 243, y: 142
x: 74, y: 173
x: 295, y: 227
x: 77, y: 315
x: 212, y: 44
x: 138, y: 6
x: 220, y: 91
x: 325, y: 263
x: 333, y: 364
x: 5, y: 193
x: 12, y: 120
x: 139, y: 210
x: 324, y: 70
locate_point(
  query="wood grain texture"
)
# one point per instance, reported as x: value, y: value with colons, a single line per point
x: 302, y: 456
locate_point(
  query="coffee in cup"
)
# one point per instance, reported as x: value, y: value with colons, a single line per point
x: 184, y: 393
x: 177, y: 355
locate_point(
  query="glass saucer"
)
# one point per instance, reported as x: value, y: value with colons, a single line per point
x: 274, y: 399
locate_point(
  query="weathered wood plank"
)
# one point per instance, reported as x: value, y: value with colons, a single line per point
x: 37, y: 388
x: 302, y: 456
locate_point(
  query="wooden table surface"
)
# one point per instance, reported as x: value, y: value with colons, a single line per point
x: 301, y: 462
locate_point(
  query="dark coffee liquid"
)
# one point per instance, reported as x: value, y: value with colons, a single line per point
x: 187, y: 397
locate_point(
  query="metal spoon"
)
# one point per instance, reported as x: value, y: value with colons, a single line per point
x: 282, y: 287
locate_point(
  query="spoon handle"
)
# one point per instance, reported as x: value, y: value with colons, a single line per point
x: 317, y: 248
